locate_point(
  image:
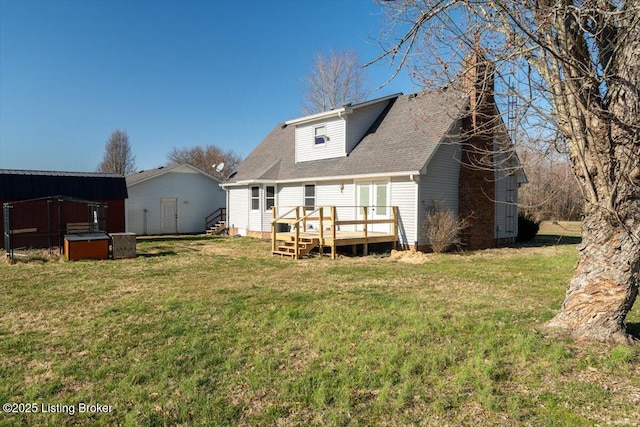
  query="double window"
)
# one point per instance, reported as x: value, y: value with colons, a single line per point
x: 269, y: 197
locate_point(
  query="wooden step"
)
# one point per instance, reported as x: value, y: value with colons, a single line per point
x: 287, y: 254
x: 288, y: 247
x: 219, y: 228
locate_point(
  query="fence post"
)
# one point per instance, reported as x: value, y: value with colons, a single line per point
x: 7, y: 230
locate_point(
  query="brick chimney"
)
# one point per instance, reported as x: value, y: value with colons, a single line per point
x: 477, y: 179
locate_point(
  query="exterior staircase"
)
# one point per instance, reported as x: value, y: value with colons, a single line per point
x: 218, y: 228
x: 216, y: 222
x: 288, y: 247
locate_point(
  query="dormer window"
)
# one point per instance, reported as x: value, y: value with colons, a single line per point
x: 320, y: 135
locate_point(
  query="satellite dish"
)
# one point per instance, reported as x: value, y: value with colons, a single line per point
x: 220, y: 167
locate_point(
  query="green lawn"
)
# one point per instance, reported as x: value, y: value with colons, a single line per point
x: 215, y: 331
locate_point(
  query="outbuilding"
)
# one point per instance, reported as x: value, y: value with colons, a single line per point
x: 173, y: 200
x: 109, y: 190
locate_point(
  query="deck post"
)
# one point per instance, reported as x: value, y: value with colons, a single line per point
x: 333, y: 232
x: 321, y: 248
x: 365, y: 248
x: 273, y: 228
x: 297, y: 234
x: 394, y: 226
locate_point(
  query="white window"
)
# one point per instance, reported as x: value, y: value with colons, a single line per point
x: 269, y: 197
x: 255, y: 198
x: 309, y: 197
x: 320, y: 135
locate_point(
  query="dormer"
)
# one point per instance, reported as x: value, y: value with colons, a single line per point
x: 335, y: 133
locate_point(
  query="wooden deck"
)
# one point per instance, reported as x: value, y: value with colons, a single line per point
x: 298, y: 243
x: 343, y: 238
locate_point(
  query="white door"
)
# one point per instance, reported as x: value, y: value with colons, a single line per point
x: 169, y: 216
x: 375, y: 197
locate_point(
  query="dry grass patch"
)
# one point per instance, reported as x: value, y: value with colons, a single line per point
x: 216, y: 331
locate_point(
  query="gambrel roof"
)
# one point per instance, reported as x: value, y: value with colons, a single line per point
x: 401, y: 140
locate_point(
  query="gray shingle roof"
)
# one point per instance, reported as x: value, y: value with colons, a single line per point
x: 402, y: 139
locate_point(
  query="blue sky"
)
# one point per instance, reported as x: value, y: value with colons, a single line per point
x: 170, y: 73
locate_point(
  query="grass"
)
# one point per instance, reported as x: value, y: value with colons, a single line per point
x: 215, y: 331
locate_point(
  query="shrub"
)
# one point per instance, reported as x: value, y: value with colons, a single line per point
x: 527, y: 228
x: 442, y: 227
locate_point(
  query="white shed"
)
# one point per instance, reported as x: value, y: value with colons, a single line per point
x: 172, y: 200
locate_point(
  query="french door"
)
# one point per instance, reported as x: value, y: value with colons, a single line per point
x: 374, y: 195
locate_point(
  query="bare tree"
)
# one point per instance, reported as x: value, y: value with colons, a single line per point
x: 575, y: 66
x: 335, y: 80
x: 206, y: 158
x: 117, y: 155
x: 552, y: 191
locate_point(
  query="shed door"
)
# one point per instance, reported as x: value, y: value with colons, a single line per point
x: 169, y: 216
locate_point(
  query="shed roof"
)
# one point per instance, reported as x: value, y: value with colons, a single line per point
x: 141, y: 176
x: 32, y: 184
x: 403, y: 138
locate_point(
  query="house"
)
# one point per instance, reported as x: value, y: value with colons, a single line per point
x: 173, y: 199
x: 384, y: 162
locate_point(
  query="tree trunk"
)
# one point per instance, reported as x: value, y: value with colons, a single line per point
x: 604, y: 285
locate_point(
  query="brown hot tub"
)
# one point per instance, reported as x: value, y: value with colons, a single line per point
x: 86, y: 246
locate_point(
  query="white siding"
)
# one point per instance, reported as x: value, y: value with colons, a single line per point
x: 289, y: 195
x: 404, y: 193
x: 238, y: 210
x: 196, y: 194
x: 307, y: 150
x: 439, y: 182
x: 330, y: 194
x: 360, y: 121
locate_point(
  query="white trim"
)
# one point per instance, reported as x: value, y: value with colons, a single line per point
x: 324, y: 178
x: 338, y: 112
x: 166, y: 169
x: 318, y: 116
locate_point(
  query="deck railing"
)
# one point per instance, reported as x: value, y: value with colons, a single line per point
x: 298, y: 217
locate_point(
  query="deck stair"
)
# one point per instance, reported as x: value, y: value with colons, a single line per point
x: 305, y: 228
x: 218, y: 228
x: 288, y: 247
